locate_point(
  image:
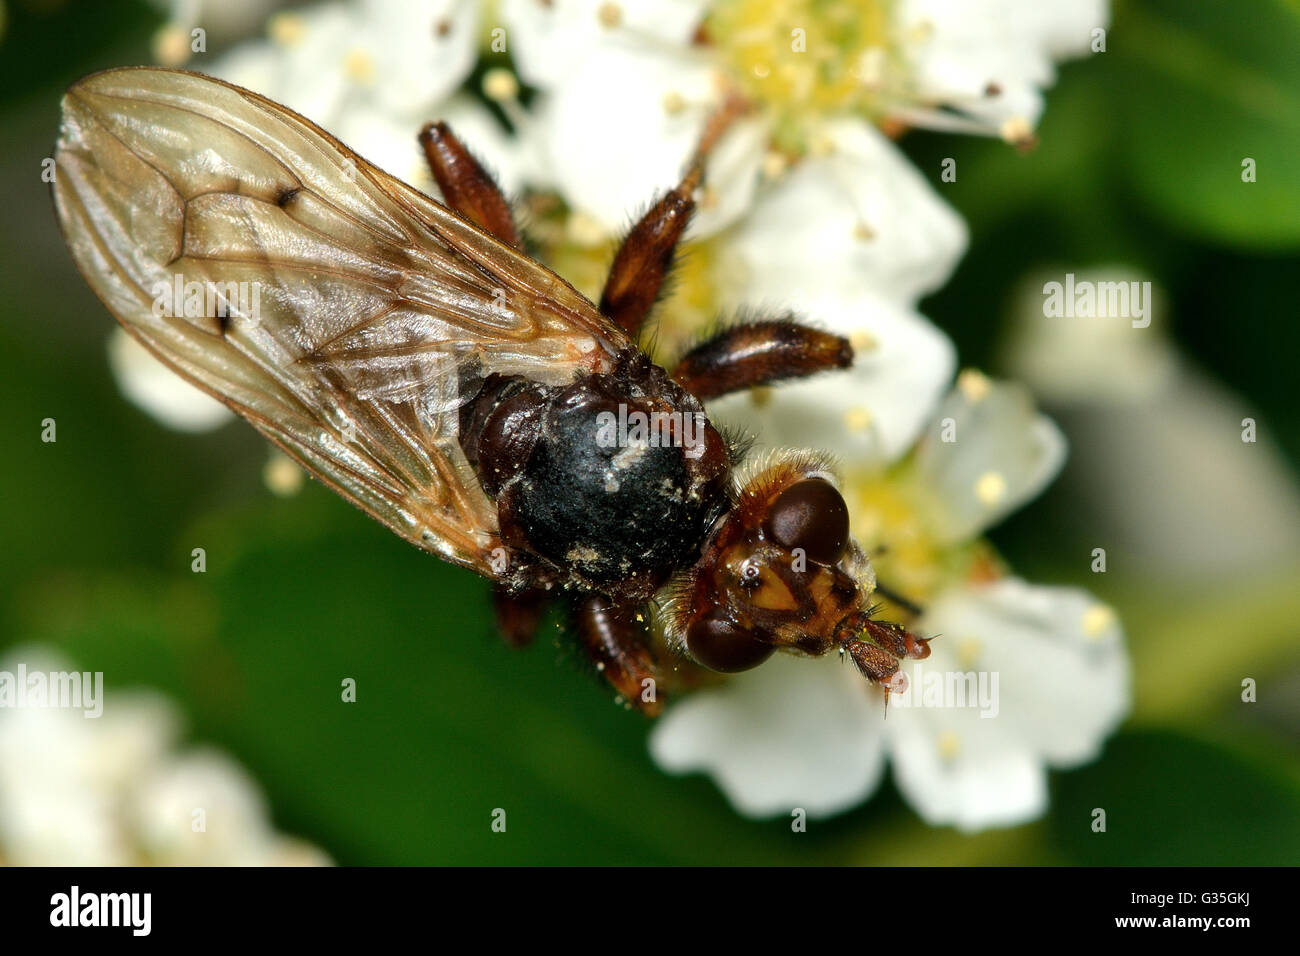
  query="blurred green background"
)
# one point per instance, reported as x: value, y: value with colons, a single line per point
x: 1139, y: 163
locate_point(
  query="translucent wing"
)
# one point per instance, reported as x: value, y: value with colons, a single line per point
x: 357, y: 311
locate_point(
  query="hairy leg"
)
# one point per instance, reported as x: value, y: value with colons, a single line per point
x: 878, y: 666
x: 643, y: 260
x: 616, y: 643
x: 897, y: 640
x: 756, y: 353
x: 466, y: 185
x: 518, y: 615
x: 646, y: 255
x: 877, y: 657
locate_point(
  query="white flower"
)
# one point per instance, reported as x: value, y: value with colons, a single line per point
x: 111, y: 790
x: 803, y: 733
x: 1145, y: 412
x: 788, y: 734
x: 158, y: 390
x: 61, y: 773
x: 618, y: 135
x: 630, y: 84
x: 203, y: 809
x: 548, y: 38
x: 192, y: 25
x: 856, y: 218
x: 797, y: 733
x: 324, y: 59
x: 990, y: 453
x: 980, y: 65
x: 835, y: 225
x: 372, y: 72
x: 848, y: 239
x: 1062, y: 685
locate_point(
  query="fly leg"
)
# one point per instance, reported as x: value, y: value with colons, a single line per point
x: 897, y: 640
x: 518, y: 615
x: 615, y: 642
x: 646, y: 255
x: 466, y: 186
x: 877, y: 657
x: 757, y: 353
x: 878, y: 666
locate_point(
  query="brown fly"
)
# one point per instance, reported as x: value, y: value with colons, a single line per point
x: 411, y: 357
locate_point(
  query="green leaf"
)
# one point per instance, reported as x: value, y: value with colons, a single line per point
x: 1207, y: 86
x: 1173, y: 800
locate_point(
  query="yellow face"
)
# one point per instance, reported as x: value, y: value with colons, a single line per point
x: 781, y: 571
x: 786, y: 595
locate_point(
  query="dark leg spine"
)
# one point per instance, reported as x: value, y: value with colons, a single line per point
x: 616, y: 643
x: 758, y: 353
x: 466, y: 186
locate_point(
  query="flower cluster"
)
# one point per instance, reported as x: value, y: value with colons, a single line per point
x: 110, y: 790
x: 808, y: 207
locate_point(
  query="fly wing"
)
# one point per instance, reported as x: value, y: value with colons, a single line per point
x: 344, y: 314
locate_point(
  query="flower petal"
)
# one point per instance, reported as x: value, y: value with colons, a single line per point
x: 989, y: 59
x: 302, y: 66
x: 236, y: 822
x: 620, y: 129
x: 954, y: 780
x: 792, y: 733
x: 987, y: 453
x: 257, y: 65
x: 1095, y: 359
x: 415, y: 62
x: 158, y: 390
x: 335, y: 61
x: 548, y: 39
x: 857, y: 219
x: 1041, y: 678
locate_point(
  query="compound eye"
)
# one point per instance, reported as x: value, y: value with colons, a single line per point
x: 722, y: 646
x: 811, y: 515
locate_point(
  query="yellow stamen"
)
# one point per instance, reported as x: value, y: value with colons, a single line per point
x: 1098, y: 620
x: 863, y: 341
x: 500, y: 85
x: 282, y: 475
x: 610, y: 15
x: 949, y: 745
x: 286, y: 29
x: 990, y: 488
x: 1017, y: 131
x: 974, y: 384
x: 171, y: 45
x: 968, y: 652
x: 774, y: 165
x: 857, y: 419
x: 359, y: 66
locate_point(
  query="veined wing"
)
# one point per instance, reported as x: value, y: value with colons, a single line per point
x: 343, y: 313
